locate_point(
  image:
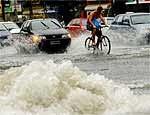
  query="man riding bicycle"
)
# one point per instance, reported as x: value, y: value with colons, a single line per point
x: 94, y: 23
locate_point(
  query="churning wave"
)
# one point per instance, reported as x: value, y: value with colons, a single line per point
x: 48, y: 88
x: 21, y: 45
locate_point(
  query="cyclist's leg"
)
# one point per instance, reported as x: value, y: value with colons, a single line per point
x: 93, y: 35
x: 98, y: 34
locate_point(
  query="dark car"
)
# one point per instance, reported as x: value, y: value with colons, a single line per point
x: 4, y: 34
x: 135, y: 25
x: 48, y: 33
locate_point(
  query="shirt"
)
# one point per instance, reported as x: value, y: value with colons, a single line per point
x: 97, y: 23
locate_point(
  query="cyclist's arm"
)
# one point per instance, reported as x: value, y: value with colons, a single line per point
x: 103, y: 20
x: 90, y: 19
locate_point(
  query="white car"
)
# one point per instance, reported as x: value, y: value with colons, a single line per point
x: 135, y: 25
x: 11, y: 26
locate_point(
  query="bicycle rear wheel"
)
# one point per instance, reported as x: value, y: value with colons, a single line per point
x: 88, y: 43
x: 104, y: 45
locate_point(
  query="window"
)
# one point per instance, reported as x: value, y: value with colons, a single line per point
x: 75, y: 22
x: 2, y: 28
x: 25, y: 24
x: 43, y: 24
x: 125, y: 20
x: 10, y: 26
x: 140, y: 19
x: 119, y: 20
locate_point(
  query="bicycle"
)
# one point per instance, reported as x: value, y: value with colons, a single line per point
x: 102, y: 43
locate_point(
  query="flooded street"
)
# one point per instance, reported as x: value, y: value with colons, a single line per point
x: 77, y: 82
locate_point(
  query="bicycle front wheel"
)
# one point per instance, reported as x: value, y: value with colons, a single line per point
x: 104, y: 45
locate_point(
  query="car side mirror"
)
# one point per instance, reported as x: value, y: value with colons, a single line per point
x: 113, y: 22
x: 126, y: 22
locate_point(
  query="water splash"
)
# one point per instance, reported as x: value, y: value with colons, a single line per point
x: 128, y: 37
x: 63, y: 88
x: 78, y: 44
x: 6, y: 42
x: 24, y: 45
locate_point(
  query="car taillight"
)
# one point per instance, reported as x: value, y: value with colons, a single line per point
x: 82, y: 28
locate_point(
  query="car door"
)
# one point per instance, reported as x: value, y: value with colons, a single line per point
x: 126, y: 29
x: 117, y: 23
x: 117, y: 28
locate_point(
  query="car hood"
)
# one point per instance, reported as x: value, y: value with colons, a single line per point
x: 4, y: 33
x: 50, y: 31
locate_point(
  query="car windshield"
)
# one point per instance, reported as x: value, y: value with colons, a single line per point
x: 11, y: 26
x: 2, y: 28
x: 44, y: 24
x: 76, y: 22
x: 140, y: 19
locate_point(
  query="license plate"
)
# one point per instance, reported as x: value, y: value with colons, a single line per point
x: 54, y: 42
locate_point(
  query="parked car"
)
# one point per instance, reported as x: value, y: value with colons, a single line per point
x: 47, y: 33
x: 132, y: 24
x: 4, y: 35
x: 12, y: 27
x: 77, y: 26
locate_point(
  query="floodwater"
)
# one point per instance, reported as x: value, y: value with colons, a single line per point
x: 36, y: 83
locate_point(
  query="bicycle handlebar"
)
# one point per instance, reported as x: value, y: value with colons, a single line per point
x: 104, y: 26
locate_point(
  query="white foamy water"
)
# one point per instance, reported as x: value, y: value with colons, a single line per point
x: 78, y: 45
x: 48, y: 88
x: 127, y: 37
x: 25, y: 46
x: 18, y: 45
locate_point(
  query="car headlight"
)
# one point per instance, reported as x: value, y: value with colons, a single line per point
x: 66, y: 36
x: 37, y: 39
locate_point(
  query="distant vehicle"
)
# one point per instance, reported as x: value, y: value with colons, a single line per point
x: 12, y: 27
x: 135, y: 24
x: 4, y: 34
x: 77, y: 26
x: 47, y: 33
